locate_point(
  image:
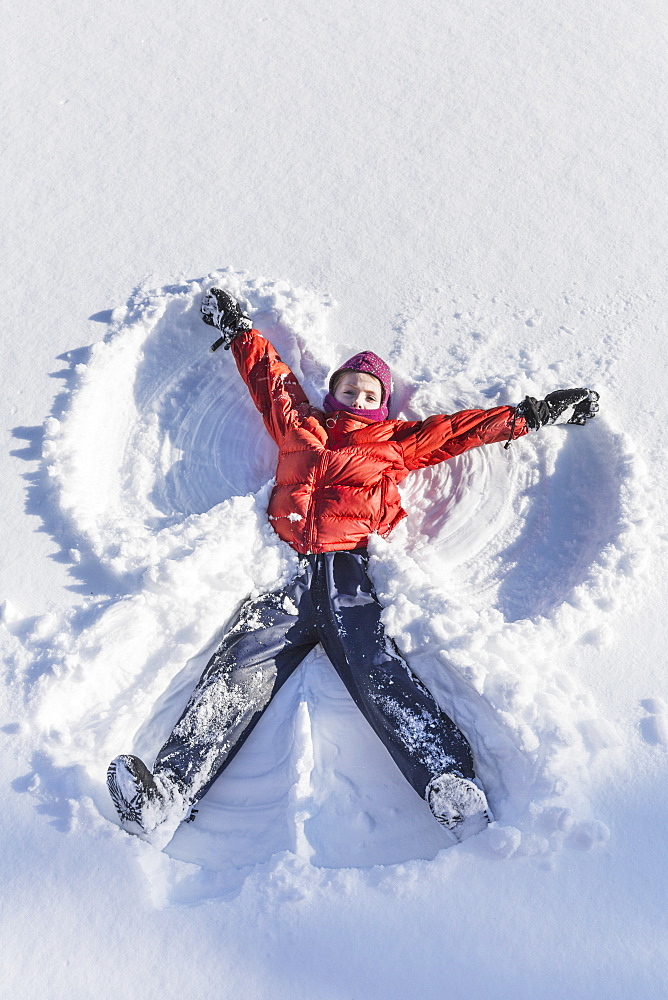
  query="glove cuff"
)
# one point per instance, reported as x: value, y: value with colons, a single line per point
x: 536, y: 412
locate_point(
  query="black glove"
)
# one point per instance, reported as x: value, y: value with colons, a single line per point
x: 585, y: 409
x: 538, y: 412
x: 219, y: 309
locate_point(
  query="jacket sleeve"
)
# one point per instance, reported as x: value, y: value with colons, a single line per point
x: 273, y: 387
x: 427, y: 442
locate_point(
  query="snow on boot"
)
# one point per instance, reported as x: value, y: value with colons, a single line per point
x: 142, y: 805
x: 458, y: 805
x: 219, y: 309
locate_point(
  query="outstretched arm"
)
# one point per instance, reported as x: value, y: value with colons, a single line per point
x: 440, y: 437
x: 427, y: 442
x: 273, y: 387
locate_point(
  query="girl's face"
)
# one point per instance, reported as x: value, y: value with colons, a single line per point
x: 359, y: 390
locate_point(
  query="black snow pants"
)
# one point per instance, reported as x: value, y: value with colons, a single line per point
x: 332, y: 602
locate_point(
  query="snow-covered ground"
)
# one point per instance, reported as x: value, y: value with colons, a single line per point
x: 477, y: 192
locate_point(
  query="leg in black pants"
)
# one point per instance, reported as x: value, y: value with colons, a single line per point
x: 332, y: 602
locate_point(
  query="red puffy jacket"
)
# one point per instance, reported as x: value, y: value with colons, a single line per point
x: 337, y: 473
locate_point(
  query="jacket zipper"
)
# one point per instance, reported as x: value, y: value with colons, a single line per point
x: 310, y: 516
x: 383, y: 501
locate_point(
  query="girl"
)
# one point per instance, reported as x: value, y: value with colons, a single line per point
x: 336, y: 484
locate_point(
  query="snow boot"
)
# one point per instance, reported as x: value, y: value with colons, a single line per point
x: 458, y: 805
x: 141, y: 803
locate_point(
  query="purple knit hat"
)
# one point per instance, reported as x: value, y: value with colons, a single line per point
x: 370, y: 364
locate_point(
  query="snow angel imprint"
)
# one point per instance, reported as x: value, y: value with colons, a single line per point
x: 336, y: 484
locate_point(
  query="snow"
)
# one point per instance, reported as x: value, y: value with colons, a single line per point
x: 476, y: 192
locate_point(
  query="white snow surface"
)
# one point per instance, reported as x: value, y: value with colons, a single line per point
x: 477, y: 192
